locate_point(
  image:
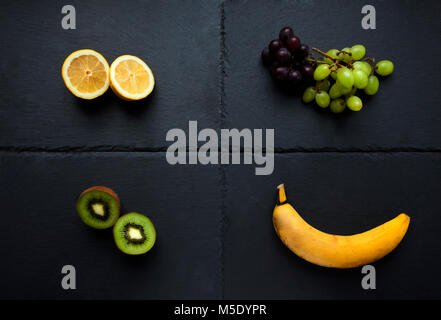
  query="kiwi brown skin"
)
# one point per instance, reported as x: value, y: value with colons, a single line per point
x: 103, y: 189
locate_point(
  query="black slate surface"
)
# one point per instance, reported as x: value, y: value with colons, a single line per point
x: 340, y: 193
x: 43, y: 232
x: 404, y: 113
x: 177, y: 39
x: 215, y: 236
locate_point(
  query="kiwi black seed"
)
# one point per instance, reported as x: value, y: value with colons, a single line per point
x: 134, y: 234
x: 98, y: 207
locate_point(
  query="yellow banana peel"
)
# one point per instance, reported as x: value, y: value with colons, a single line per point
x: 335, y: 251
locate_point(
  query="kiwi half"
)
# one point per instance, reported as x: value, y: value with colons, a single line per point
x: 98, y: 207
x: 134, y: 234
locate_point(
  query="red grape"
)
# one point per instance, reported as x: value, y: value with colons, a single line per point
x: 285, y: 34
x: 294, y: 76
x: 297, y: 65
x: 283, y: 56
x: 266, y: 57
x: 293, y: 44
x: 303, y: 51
x: 274, y: 65
x: 281, y: 73
x: 307, y: 71
x: 275, y: 45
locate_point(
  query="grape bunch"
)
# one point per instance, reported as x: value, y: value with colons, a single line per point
x: 286, y: 59
x: 340, y: 74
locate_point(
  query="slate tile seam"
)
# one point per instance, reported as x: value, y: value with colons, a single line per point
x: 85, y: 149
x: 222, y: 171
x: 222, y: 67
x: 159, y: 149
x: 223, y: 59
x: 354, y: 150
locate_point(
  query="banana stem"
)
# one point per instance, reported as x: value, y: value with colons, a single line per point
x: 281, y: 198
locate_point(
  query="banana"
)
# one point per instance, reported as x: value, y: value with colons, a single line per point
x: 335, y: 251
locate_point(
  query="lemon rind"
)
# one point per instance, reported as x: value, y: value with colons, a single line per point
x: 120, y: 91
x: 68, y: 83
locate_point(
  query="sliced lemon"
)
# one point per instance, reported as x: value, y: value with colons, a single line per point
x: 86, y: 73
x: 131, y: 78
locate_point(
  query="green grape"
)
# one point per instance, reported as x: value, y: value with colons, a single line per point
x: 309, y: 94
x: 353, y: 91
x: 335, y: 91
x: 334, y: 75
x: 372, y: 86
x: 341, y: 55
x: 358, y: 52
x: 384, y: 67
x: 343, y: 90
x: 333, y: 54
x: 363, y: 66
x: 345, y: 77
x: 322, y: 72
x: 323, y: 85
x: 338, y: 105
x: 360, y: 79
x: 348, y: 57
x: 322, y: 99
x: 345, y: 56
x: 354, y: 103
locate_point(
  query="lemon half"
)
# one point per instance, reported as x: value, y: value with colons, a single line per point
x: 131, y: 78
x: 86, y: 74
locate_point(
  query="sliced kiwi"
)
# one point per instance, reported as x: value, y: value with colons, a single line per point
x: 134, y: 233
x: 98, y: 207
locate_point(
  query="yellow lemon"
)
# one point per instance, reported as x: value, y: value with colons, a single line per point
x: 131, y: 78
x: 86, y: 74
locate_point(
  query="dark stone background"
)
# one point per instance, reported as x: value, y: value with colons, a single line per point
x: 345, y: 173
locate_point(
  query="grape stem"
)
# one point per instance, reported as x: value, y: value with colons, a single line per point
x: 344, y: 52
x: 324, y: 54
x: 315, y: 60
x: 336, y: 61
x: 372, y: 60
x: 319, y: 85
x: 349, y: 54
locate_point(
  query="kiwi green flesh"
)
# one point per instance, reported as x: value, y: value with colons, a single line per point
x: 134, y: 234
x: 98, y: 209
